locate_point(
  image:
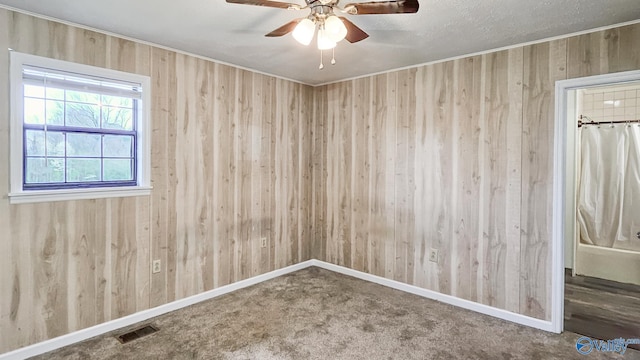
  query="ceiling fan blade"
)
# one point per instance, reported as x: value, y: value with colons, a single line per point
x: 284, y: 29
x: 354, y: 33
x: 383, y: 7
x: 267, y: 3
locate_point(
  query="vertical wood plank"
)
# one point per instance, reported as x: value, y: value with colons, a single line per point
x: 477, y: 99
x: 305, y: 185
x: 360, y: 145
x: 274, y: 127
x: 257, y: 178
x: 124, y: 256
x: 22, y: 318
x: 332, y: 238
x: 380, y: 225
x: 442, y: 112
x: 501, y: 171
x: 411, y: 113
x: 494, y: 175
x: 344, y: 142
x: 281, y: 244
x: 82, y: 249
x: 50, y: 248
x: 205, y: 193
x: 268, y: 123
x: 466, y: 174
x: 244, y: 180
x: 404, y: 175
x: 184, y: 190
x: 172, y: 146
x: 159, y: 178
x: 513, y: 200
x: 162, y: 111
x: 143, y: 253
x: 102, y: 249
x: 234, y: 176
x: 543, y: 65
x: 223, y: 181
x: 401, y: 177
x: 423, y: 194
x: 292, y: 171
x: 91, y: 48
x: 390, y: 128
x: 319, y: 154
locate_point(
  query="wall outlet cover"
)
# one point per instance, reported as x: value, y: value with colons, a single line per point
x: 433, y: 255
x: 155, y: 266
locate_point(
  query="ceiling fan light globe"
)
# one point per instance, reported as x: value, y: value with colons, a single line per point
x: 324, y: 42
x: 303, y: 32
x: 335, y: 29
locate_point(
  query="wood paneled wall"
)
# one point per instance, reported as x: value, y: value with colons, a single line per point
x: 231, y: 163
x: 370, y: 173
x: 456, y: 156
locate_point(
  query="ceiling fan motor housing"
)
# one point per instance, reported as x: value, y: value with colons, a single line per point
x: 320, y: 12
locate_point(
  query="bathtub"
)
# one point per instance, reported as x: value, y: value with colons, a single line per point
x: 608, y: 263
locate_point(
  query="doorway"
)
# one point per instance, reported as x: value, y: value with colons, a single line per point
x: 606, y: 244
x: 602, y: 288
x: 565, y: 180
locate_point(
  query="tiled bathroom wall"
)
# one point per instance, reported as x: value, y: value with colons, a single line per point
x: 610, y: 103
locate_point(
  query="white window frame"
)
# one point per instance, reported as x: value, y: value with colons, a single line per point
x: 17, y: 195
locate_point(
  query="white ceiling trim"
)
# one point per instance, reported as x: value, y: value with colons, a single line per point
x: 109, y: 33
x: 559, y: 37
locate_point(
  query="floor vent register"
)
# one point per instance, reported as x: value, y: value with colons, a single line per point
x: 136, y: 333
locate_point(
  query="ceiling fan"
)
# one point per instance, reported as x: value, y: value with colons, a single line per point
x: 331, y: 28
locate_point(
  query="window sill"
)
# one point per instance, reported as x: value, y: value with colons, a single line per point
x: 36, y: 196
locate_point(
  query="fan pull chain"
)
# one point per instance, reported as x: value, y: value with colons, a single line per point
x: 321, y: 64
x: 333, y: 56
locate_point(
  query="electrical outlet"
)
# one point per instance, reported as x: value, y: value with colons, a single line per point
x: 155, y: 267
x: 263, y: 242
x: 433, y: 255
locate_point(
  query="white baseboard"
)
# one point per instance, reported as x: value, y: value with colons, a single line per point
x: 448, y: 299
x: 84, y: 334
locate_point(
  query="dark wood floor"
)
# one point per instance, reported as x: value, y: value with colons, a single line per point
x: 601, y: 309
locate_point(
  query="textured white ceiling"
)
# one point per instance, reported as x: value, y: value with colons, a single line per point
x: 235, y: 33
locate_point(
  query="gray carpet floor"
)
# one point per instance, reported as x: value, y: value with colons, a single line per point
x: 318, y: 314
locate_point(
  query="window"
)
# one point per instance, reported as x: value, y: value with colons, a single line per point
x: 77, y: 131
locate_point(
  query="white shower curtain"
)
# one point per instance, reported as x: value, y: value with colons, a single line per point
x: 609, y: 186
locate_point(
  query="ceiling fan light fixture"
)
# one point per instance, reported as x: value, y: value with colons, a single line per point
x: 324, y: 42
x: 331, y: 28
x: 335, y: 28
x: 303, y: 32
